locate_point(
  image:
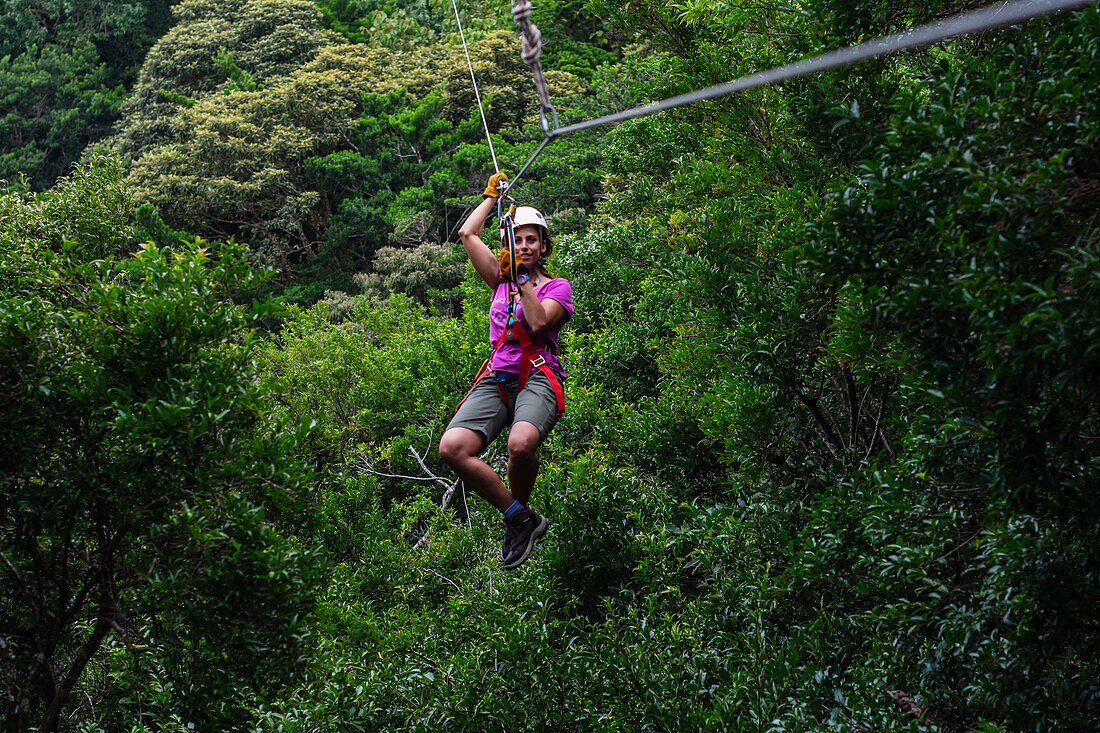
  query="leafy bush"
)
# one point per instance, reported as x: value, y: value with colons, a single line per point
x: 963, y: 254
x: 89, y: 210
x: 141, y: 486
x: 424, y: 273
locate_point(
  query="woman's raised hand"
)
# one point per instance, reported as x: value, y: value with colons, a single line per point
x: 493, y: 188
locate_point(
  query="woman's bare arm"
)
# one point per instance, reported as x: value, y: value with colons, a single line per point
x: 539, y: 314
x: 483, y: 259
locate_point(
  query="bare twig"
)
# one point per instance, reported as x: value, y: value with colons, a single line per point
x: 14, y: 571
x: 448, y: 494
x: 448, y: 486
x: 420, y: 459
x: 345, y: 138
x: 431, y: 663
x: 382, y: 474
x: 444, y: 577
x: 875, y: 431
x: 130, y: 645
x: 431, y: 439
x: 854, y: 406
x: 366, y: 465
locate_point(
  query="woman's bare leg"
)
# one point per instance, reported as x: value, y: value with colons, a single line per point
x: 460, y: 448
x: 523, y: 459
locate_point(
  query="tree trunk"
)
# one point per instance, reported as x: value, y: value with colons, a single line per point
x: 91, y: 646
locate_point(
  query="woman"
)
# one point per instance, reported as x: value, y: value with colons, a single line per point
x: 521, y: 383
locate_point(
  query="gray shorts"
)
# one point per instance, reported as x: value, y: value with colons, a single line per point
x: 484, y: 412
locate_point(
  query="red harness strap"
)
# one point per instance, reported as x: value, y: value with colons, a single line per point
x: 531, y: 358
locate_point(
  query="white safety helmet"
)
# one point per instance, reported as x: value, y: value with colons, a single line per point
x: 529, y: 215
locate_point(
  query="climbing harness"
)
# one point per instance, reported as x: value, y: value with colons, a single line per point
x: 530, y: 343
x: 532, y: 359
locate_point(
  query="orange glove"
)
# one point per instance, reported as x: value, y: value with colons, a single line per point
x: 491, y: 188
x: 505, y: 260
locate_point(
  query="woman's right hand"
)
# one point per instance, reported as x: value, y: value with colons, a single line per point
x: 505, y: 261
x: 492, y: 188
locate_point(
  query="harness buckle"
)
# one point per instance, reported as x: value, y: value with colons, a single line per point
x: 538, y: 361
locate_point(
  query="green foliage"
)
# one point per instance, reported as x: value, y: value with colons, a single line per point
x: 368, y: 380
x: 425, y: 273
x: 350, y: 152
x: 55, y: 101
x: 89, y: 210
x: 576, y: 40
x: 64, y: 68
x: 140, y: 481
x: 401, y: 25
x: 242, y: 80
x: 266, y: 40
x: 828, y: 450
x: 907, y: 407
x: 966, y: 250
x: 231, y: 174
x: 150, y: 227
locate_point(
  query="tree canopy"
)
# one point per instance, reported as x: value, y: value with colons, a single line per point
x: 64, y: 71
x: 141, y: 486
x: 829, y: 452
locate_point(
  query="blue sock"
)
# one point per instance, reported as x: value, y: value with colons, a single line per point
x: 516, y: 506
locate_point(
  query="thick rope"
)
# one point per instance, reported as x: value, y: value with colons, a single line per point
x: 477, y: 94
x: 531, y: 53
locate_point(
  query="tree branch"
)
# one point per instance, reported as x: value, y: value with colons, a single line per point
x: 91, y: 646
x: 811, y: 403
x: 12, y: 569
x: 78, y: 600
x: 877, y: 432
x: 449, y: 486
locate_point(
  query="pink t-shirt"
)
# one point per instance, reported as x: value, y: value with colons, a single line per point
x: 508, y: 357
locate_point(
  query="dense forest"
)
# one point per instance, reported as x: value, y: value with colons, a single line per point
x: 832, y: 412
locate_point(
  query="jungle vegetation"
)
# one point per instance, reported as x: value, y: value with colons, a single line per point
x: 830, y: 453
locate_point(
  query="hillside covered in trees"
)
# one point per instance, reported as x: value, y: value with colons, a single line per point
x: 830, y: 452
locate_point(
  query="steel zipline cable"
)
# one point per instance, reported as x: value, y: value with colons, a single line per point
x: 993, y: 16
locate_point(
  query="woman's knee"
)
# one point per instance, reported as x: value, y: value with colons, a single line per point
x: 458, y: 444
x: 523, y: 440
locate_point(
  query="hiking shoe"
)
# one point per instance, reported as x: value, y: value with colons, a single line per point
x: 510, y: 532
x: 520, y: 532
